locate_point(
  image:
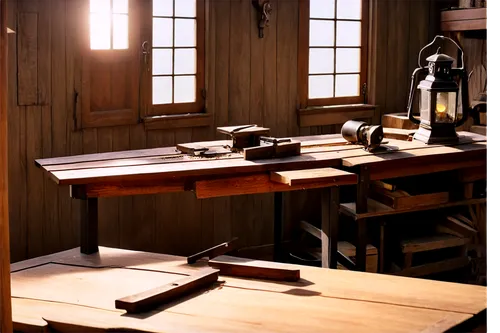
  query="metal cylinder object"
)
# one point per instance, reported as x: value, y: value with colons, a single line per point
x: 359, y: 132
x: 351, y: 131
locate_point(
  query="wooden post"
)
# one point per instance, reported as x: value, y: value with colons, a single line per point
x: 5, y: 301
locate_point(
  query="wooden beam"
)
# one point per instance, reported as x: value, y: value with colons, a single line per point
x: 5, y: 300
x: 152, y: 298
x: 254, y: 269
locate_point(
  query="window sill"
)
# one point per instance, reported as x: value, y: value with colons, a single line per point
x: 177, y: 121
x: 334, y: 114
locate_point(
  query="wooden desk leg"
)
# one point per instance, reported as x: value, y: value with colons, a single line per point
x: 278, y: 225
x: 88, y: 226
x: 329, y: 226
x: 362, y: 207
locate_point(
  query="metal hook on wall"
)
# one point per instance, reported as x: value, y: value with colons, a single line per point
x: 264, y: 9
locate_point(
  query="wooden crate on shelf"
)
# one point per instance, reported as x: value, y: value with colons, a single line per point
x: 398, y: 120
x: 397, y: 198
x: 444, y: 250
x: 349, y: 250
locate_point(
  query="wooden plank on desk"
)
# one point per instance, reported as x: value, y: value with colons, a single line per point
x: 250, y: 184
x: 149, y: 299
x: 256, y: 269
x: 307, y: 176
x: 201, y: 168
x: 434, y: 154
x: 376, y: 208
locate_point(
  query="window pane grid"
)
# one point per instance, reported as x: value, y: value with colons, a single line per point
x: 182, y: 44
x: 345, y: 18
x: 109, y: 24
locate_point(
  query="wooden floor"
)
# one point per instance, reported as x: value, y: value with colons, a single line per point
x: 70, y: 292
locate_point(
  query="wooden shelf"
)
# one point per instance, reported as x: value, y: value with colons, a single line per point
x: 376, y: 208
x: 463, y: 19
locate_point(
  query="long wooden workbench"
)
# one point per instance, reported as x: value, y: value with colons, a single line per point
x: 159, y: 170
x: 74, y: 292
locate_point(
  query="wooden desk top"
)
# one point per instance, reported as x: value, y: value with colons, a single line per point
x: 316, y: 152
x: 72, y: 292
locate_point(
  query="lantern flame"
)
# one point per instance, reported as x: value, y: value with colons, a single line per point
x: 440, y: 108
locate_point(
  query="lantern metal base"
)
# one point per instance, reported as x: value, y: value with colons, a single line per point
x: 436, y: 135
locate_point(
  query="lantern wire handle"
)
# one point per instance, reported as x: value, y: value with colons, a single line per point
x: 443, y: 38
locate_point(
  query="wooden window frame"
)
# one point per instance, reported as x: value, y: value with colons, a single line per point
x: 149, y: 111
x: 303, y: 60
x: 141, y: 110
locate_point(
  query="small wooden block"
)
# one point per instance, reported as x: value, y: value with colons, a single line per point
x: 191, y: 148
x: 432, y: 243
x: 459, y: 227
x: 233, y: 266
x: 258, y: 152
x: 381, y: 184
x: 400, y: 199
x: 398, y: 120
x: 399, y: 133
x: 286, y: 149
x: 281, y: 150
x: 298, y: 177
x: 243, y: 130
x: 152, y: 298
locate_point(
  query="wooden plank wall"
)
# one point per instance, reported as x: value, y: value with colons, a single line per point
x: 250, y: 80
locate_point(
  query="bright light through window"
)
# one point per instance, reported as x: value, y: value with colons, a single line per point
x: 108, y: 24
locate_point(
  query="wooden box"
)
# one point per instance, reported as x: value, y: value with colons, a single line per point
x: 399, y: 199
x: 349, y: 250
x: 398, y: 120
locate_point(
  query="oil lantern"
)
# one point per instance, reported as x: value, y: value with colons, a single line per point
x: 439, y: 97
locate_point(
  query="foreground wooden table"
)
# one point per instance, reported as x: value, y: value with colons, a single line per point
x: 74, y: 292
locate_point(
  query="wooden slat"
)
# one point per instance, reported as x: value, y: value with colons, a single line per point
x: 213, y: 167
x: 27, y: 57
x: 251, y: 184
x: 133, y: 188
x: 67, y: 161
x: 5, y: 288
x: 432, y: 243
x: 431, y: 153
x: 464, y: 25
x: 464, y: 14
x: 149, y: 299
x: 435, y: 267
x: 375, y: 208
x: 255, y: 269
x: 307, y: 176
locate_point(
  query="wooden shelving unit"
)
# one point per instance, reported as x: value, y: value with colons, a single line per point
x: 463, y: 19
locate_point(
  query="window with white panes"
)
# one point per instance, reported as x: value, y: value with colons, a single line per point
x: 333, y: 51
x: 109, y: 24
x: 177, y: 56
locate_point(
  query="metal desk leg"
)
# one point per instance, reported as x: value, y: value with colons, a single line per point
x: 278, y: 225
x: 329, y: 226
x: 88, y: 226
x: 362, y: 207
